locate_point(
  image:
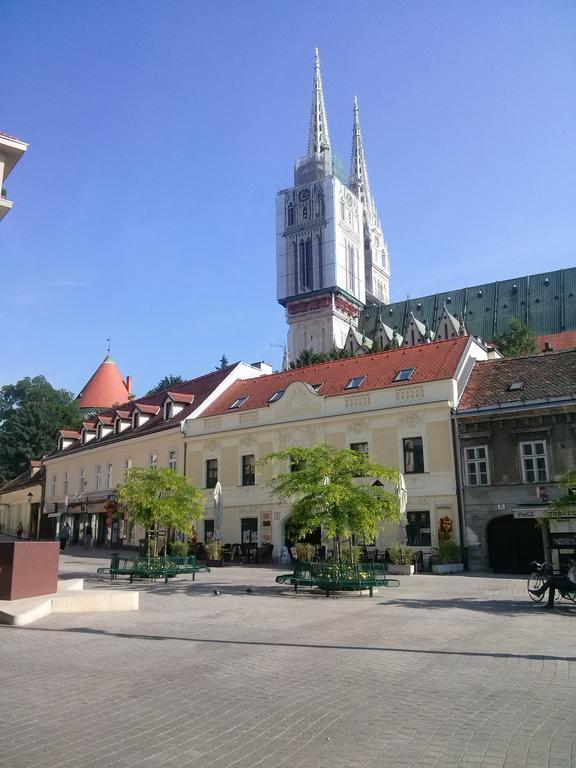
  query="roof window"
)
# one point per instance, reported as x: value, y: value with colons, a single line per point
x: 516, y: 386
x: 405, y: 374
x: 277, y: 395
x: 238, y: 403
x: 356, y: 382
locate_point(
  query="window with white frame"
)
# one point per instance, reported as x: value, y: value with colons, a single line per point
x: 66, y: 483
x: 108, y: 475
x: 98, y: 477
x: 127, y: 467
x: 476, y: 463
x: 172, y: 459
x: 153, y: 461
x: 82, y: 483
x: 53, y: 485
x: 534, y: 461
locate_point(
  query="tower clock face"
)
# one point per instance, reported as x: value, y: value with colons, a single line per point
x: 303, y: 195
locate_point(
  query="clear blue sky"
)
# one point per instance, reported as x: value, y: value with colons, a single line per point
x: 160, y: 133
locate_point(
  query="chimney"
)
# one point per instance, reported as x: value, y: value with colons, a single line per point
x: 547, y: 347
x: 129, y: 384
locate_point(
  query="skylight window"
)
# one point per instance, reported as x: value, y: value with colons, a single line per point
x: 516, y: 386
x: 277, y: 395
x: 238, y: 403
x: 356, y: 382
x: 405, y: 374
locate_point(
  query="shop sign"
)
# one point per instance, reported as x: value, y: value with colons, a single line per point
x: 544, y: 513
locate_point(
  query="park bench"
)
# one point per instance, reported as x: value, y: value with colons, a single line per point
x: 152, y: 567
x: 338, y: 577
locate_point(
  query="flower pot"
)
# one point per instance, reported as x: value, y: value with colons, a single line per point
x: 444, y: 568
x: 400, y: 570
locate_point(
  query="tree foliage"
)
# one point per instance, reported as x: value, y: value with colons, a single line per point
x: 161, y: 498
x: 223, y: 363
x: 333, y: 489
x: 31, y: 413
x: 567, y: 502
x: 309, y: 357
x: 166, y: 383
x: 516, y: 341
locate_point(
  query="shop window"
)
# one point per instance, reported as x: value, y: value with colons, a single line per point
x: 534, y: 461
x: 211, y: 473
x: 418, y: 532
x: 248, y: 470
x: 476, y: 461
x: 413, y: 455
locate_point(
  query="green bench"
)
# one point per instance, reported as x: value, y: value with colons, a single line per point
x: 153, y: 567
x: 338, y: 577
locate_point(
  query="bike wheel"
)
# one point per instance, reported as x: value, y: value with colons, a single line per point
x: 535, y: 581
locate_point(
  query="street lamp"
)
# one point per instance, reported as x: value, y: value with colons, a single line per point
x: 30, y: 497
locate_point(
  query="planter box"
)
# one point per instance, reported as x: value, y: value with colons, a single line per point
x: 448, y: 568
x: 400, y: 570
x: 28, y: 569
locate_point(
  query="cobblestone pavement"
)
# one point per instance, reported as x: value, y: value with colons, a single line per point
x: 443, y: 671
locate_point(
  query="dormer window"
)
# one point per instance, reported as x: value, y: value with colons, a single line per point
x: 168, y: 409
x: 99, y: 432
x: 356, y: 382
x: 405, y: 374
x: 135, y: 420
x: 238, y: 403
x: 60, y: 443
x: 516, y: 386
x: 276, y: 396
x: 117, y: 423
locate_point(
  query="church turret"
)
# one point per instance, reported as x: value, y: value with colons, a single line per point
x: 319, y: 243
x: 376, y: 260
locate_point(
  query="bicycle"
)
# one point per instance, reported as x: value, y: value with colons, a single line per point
x: 541, y: 573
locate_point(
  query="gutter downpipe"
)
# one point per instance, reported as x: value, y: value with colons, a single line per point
x: 459, y: 489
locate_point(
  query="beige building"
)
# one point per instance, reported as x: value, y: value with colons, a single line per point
x: 11, y: 150
x: 395, y: 405
x: 85, y: 471
x: 20, y: 502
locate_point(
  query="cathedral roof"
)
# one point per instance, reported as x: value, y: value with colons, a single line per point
x: 105, y: 388
x: 431, y: 362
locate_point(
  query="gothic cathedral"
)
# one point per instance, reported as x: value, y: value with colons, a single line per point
x: 331, y: 256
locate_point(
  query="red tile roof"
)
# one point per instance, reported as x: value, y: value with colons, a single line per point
x: 124, y: 414
x: 542, y: 376
x: 433, y: 362
x: 105, y: 388
x: 143, y: 408
x: 556, y: 341
x: 70, y: 433
x: 180, y: 397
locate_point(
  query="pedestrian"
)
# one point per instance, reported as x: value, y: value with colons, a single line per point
x: 558, y: 582
x: 64, y: 536
x: 19, y: 530
x: 87, y: 536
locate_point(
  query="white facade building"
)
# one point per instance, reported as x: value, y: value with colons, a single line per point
x: 330, y: 250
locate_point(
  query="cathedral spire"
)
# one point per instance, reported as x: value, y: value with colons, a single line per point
x: 318, y: 138
x: 358, y: 180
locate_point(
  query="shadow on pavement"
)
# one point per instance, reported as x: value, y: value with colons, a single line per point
x: 501, y: 606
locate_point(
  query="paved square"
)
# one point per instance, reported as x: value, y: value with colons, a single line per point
x: 443, y: 671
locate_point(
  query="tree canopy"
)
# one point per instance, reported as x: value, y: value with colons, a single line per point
x: 309, y: 357
x: 332, y: 488
x: 516, y: 341
x: 161, y: 498
x: 31, y: 413
x: 167, y: 382
x: 223, y: 363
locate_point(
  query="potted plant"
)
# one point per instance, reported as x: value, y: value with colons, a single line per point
x: 401, y: 560
x: 214, y: 551
x: 447, y: 558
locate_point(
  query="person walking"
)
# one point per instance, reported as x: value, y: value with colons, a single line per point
x: 87, y: 536
x: 19, y: 530
x: 64, y: 536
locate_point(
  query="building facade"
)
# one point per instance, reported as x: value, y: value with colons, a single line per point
x: 21, y: 501
x: 394, y: 405
x: 516, y: 426
x: 11, y: 150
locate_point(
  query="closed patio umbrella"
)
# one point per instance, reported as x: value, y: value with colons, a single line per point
x: 218, y: 512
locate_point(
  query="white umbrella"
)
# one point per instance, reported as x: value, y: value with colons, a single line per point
x: 218, y: 512
x: 403, y: 502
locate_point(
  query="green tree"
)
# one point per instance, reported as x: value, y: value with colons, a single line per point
x: 309, y: 357
x: 160, y: 499
x: 332, y: 488
x: 168, y: 382
x: 223, y: 363
x: 567, y: 502
x: 31, y: 413
x: 516, y: 341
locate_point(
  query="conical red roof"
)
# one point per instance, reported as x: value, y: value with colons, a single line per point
x: 105, y: 388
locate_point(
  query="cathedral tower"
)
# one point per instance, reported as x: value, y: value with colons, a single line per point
x: 330, y: 251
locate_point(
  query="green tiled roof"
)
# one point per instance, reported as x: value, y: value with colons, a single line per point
x: 546, y: 302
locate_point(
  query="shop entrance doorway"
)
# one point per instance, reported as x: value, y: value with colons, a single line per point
x: 513, y: 544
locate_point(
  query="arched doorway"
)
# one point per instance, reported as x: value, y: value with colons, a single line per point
x: 513, y: 544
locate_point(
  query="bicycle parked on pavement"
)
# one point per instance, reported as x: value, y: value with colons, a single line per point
x: 539, y: 576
